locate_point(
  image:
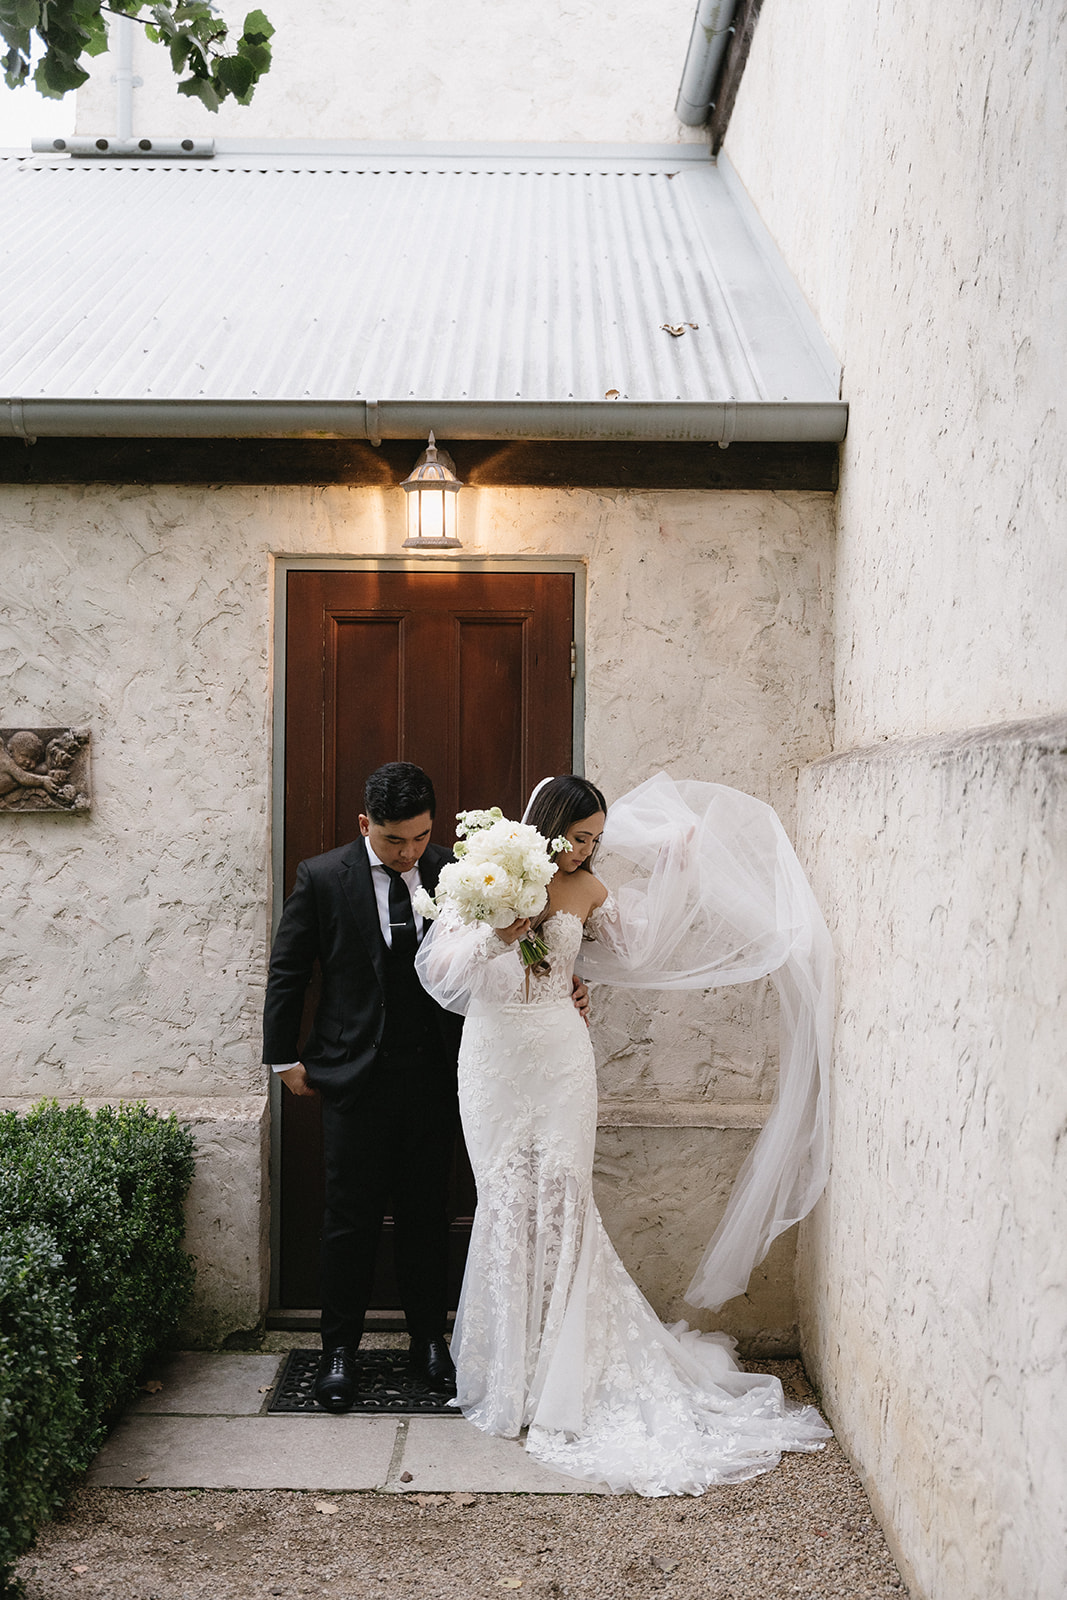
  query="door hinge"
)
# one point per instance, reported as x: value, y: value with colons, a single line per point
x: 574, y: 660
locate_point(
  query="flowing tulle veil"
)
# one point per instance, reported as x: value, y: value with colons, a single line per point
x: 720, y: 898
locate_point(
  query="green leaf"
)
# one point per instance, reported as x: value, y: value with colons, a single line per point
x: 257, y: 55
x: 16, y: 68
x: 55, y: 77
x: 198, y: 11
x: 235, y: 74
x: 97, y: 31
x: 257, y: 27
x: 18, y: 38
x: 193, y: 31
x: 200, y: 89
x: 198, y: 62
x: 164, y: 21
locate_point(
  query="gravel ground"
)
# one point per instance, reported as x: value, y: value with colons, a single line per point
x: 803, y: 1532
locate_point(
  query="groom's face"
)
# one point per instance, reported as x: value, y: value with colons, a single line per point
x: 398, y: 844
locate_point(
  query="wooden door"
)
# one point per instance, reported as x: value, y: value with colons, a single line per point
x: 468, y: 674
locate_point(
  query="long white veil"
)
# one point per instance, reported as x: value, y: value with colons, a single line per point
x: 724, y: 900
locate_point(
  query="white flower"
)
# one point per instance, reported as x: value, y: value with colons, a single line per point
x: 470, y: 821
x: 425, y: 904
x: 529, y: 900
x: 502, y: 871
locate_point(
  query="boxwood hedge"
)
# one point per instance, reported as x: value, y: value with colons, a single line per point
x: 92, y: 1280
x: 41, y: 1411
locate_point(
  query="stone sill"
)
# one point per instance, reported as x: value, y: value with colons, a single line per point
x: 681, y: 1114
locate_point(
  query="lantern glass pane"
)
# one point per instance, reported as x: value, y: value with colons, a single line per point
x: 431, y: 513
x: 413, y: 499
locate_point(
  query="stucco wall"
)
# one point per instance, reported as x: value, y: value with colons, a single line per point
x: 932, y: 1285
x: 142, y: 929
x: 907, y: 163
x: 477, y: 70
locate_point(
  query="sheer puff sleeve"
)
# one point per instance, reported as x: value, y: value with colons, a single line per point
x: 466, y: 968
x: 720, y: 898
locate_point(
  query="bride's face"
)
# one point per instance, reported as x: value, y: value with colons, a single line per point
x: 584, y: 837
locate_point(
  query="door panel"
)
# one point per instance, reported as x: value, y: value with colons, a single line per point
x: 468, y: 674
x: 489, y: 674
x: 359, y: 652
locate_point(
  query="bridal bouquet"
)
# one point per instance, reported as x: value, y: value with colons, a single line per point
x: 502, y: 873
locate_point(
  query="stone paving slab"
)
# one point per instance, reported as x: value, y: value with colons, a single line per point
x: 445, y: 1454
x: 166, y: 1452
x: 231, y: 1383
x: 206, y: 1428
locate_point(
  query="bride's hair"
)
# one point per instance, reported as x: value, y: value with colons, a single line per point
x: 561, y: 803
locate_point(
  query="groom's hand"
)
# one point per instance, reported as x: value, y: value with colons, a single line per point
x: 580, y: 996
x: 296, y: 1080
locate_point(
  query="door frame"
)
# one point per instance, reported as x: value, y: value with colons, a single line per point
x: 576, y: 566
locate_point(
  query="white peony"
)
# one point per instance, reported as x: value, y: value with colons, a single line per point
x: 482, y: 891
x: 502, y: 872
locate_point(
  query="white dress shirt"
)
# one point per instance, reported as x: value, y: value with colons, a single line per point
x: 379, y: 874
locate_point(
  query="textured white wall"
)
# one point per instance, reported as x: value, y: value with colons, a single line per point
x: 412, y: 69
x: 933, y: 1293
x: 908, y: 163
x: 146, y: 614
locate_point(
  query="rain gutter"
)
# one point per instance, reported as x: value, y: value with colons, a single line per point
x: 794, y: 422
x: 712, y: 27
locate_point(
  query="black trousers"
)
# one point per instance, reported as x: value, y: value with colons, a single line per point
x: 391, y: 1152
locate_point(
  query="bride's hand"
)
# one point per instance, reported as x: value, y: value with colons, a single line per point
x: 518, y: 930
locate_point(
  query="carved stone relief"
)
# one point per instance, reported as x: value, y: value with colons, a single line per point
x: 44, y: 769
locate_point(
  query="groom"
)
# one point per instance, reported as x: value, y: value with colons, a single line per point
x: 382, y: 1056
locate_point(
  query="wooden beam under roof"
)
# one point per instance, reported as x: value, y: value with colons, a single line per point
x: 480, y: 463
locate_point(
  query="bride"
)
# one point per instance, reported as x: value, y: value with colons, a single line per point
x: 552, y: 1335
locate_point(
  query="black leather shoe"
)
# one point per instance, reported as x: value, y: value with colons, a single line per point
x: 335, y: 1382
x: 432, y: 1363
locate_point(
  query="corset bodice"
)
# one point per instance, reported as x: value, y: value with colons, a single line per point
x: 562, y: 933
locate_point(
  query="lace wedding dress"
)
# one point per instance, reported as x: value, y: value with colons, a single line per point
x: 552, y: 1335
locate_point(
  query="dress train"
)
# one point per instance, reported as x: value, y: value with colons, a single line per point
x: 552, y: 1335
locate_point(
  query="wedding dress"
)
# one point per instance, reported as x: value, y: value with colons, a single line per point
x: 552, y: 1335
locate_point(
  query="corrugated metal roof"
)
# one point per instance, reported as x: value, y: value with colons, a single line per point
x: 401, y: 278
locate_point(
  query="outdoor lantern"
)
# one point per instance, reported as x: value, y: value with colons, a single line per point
x: 432, y: 491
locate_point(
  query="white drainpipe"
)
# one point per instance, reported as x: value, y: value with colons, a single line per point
x: 124, y: 80
x: 712, y: 27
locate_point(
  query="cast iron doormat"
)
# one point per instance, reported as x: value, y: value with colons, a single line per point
x: 386, y: 1388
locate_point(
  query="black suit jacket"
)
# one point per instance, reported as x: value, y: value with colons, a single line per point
x: 331, y: 918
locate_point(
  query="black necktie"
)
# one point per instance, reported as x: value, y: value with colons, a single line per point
x: 401, y: 917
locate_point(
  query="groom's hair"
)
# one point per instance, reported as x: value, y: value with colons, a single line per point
x: 398, y: 791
